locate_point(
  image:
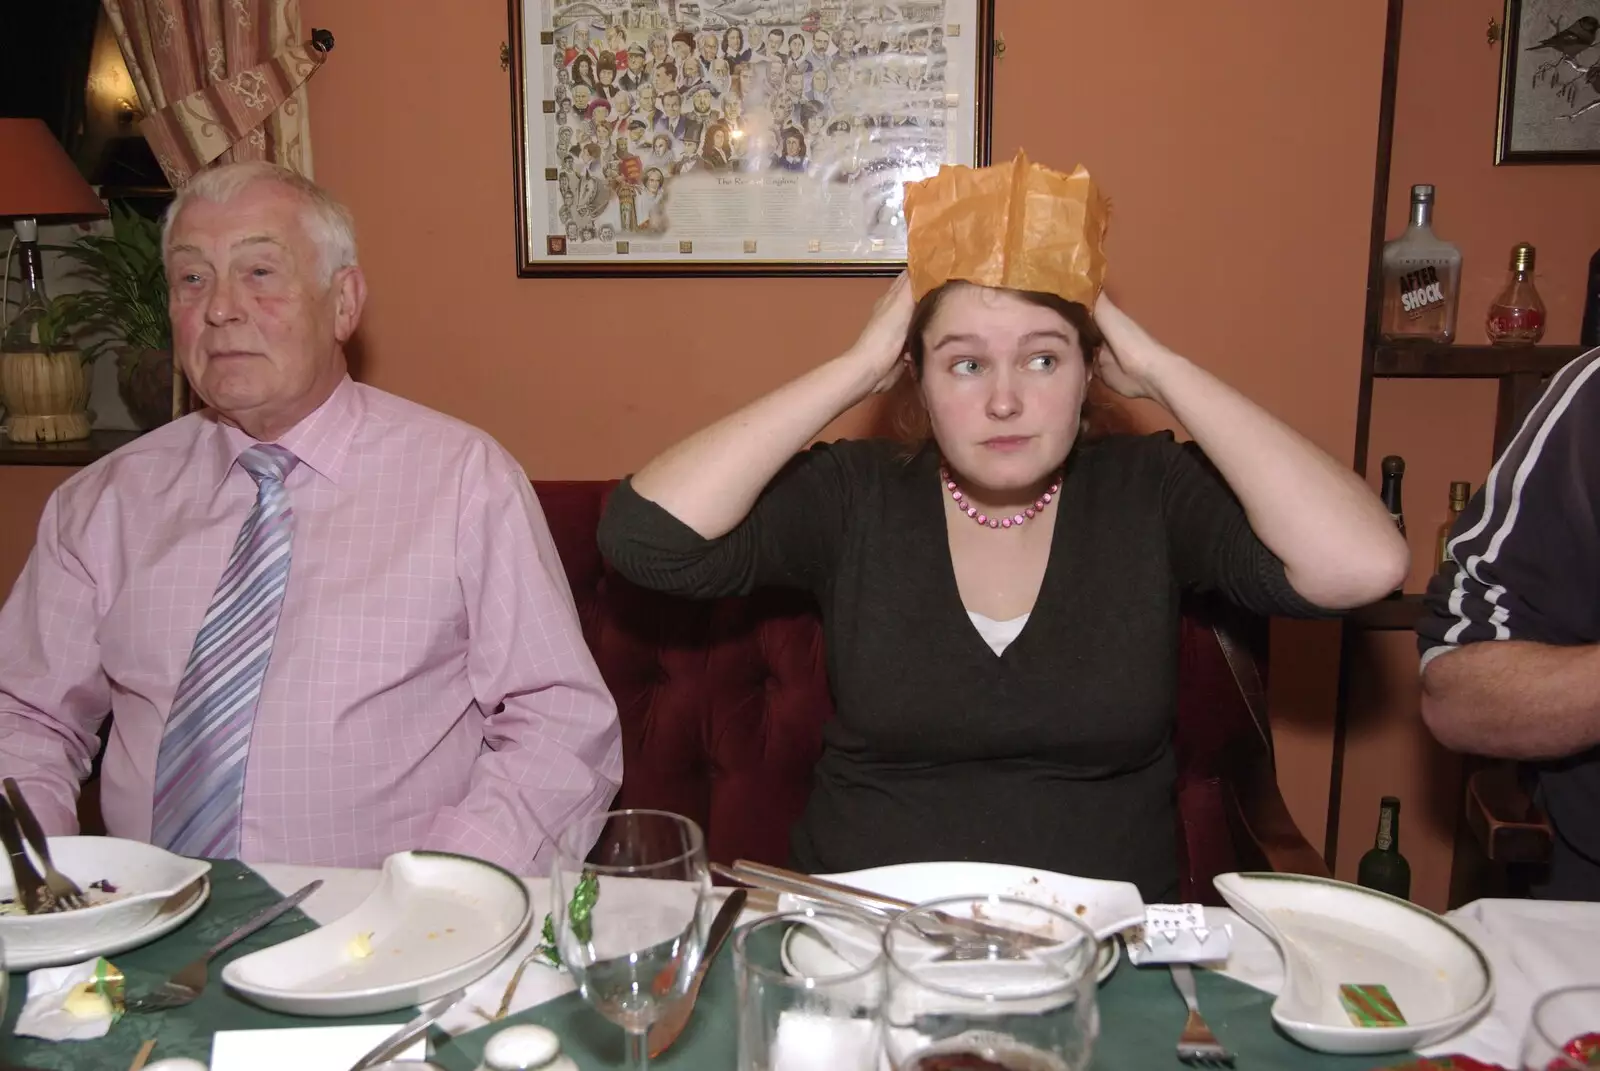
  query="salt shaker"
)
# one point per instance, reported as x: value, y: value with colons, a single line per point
x: 525, y: 1048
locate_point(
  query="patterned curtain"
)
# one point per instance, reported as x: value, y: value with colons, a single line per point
x: 220, y: 80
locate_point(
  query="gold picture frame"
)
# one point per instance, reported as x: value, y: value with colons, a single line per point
x: 737, y: 137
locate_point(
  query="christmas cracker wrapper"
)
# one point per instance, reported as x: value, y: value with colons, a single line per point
x: 1370, y: 1005
x: 74, y: 1003
x: 1018, y: 225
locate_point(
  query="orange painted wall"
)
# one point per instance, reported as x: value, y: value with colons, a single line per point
x: 1236, y: 139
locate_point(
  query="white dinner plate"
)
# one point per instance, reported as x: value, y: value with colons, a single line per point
x: 1106, y: 907
x: 1333, y: 934
x: 178, y: 910
x: 436, y: 922
x: 152, y: 886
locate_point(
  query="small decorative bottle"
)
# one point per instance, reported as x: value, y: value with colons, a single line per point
x: 1516, y: 317
x: 1421, y: 279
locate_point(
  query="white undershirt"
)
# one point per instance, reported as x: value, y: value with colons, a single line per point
x: 997, y: 634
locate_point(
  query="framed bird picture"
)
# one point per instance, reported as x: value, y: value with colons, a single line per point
x: 1549, y: 83
x: 737, y: 137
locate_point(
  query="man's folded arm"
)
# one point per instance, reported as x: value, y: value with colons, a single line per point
x: 53, y: 692
x: 552, y: 743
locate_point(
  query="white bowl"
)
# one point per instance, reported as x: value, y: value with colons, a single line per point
x: 1332, y: 933
x: 435, y: 923
x: 146, y: 879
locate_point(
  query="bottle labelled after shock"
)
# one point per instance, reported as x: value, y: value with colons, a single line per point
x: 1383, y: 867
x: 1421, y: 279
x: 1394, y: 470
x: 1460, y: 491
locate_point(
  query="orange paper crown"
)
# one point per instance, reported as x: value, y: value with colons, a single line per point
x: 1018, y: 225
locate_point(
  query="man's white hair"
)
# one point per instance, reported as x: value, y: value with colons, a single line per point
x: 328, y: 223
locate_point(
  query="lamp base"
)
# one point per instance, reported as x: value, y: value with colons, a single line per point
x: 71, y: 427
x: 46, y: 396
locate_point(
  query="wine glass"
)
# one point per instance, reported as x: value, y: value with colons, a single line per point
x: 1564, y: 1031
x: 631, y: 908
x: 956, y: 992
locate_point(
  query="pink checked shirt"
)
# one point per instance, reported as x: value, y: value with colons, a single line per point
x: 429, y: 685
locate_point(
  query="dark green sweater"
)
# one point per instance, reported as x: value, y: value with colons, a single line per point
x: 1056, y: 754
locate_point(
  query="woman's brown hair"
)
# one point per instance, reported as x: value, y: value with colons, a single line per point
x: 909, y: 417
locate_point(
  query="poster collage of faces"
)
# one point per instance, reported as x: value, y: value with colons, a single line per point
x: 641, y: 92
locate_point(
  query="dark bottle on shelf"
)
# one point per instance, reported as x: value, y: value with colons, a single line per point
x: 1383, y: 867
x: 1394, y: 469
x: 1590, y: 335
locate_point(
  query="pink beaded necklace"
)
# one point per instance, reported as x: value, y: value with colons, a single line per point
x: 1014, y: 521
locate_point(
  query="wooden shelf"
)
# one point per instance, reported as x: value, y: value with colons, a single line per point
x: 83, y: 452
x: 1390, y: 615
x: 1411, y: 360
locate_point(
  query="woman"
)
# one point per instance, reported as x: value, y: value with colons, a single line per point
x: 1005, y: 689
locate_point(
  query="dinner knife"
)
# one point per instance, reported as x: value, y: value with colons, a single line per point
x: 31, y: 891
x: 410, y: 1032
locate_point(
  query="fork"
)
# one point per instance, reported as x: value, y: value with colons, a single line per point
x: 65, y: 891
x: 187, y: 985
x: 1198, y: 1046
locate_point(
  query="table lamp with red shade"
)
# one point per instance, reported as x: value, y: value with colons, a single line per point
x: 45, y: 389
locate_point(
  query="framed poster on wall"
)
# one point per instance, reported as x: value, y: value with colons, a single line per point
x: 737, y: 136
x: 1549, y: 83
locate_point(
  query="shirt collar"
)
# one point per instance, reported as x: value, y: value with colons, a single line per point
x: 321, y: 441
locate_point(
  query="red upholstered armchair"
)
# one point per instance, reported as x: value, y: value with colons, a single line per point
x: 723, y: 702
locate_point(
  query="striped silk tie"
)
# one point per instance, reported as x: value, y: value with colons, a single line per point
x: 199, y: 786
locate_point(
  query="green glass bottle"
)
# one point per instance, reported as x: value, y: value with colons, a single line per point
x: 1383, y: 867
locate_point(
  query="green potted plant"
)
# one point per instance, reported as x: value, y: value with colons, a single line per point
x: 125, y: 309
x: 44, y: 376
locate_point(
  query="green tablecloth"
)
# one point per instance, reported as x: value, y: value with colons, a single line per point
x: 237, y: 893
x: 1140, y: 1012
x: 1140, y: 1018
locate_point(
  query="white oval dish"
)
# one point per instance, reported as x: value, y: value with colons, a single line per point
x: 436, y: 922
x: 153, y: 886
x: 1106, y: 907
x: 1332, y: 933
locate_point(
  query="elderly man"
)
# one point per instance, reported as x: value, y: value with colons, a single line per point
x: 328, y: 624
x: 1511, y: 643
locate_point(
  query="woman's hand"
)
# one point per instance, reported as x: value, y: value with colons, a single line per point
x: 1131, y: 361
x: 882, y: 344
